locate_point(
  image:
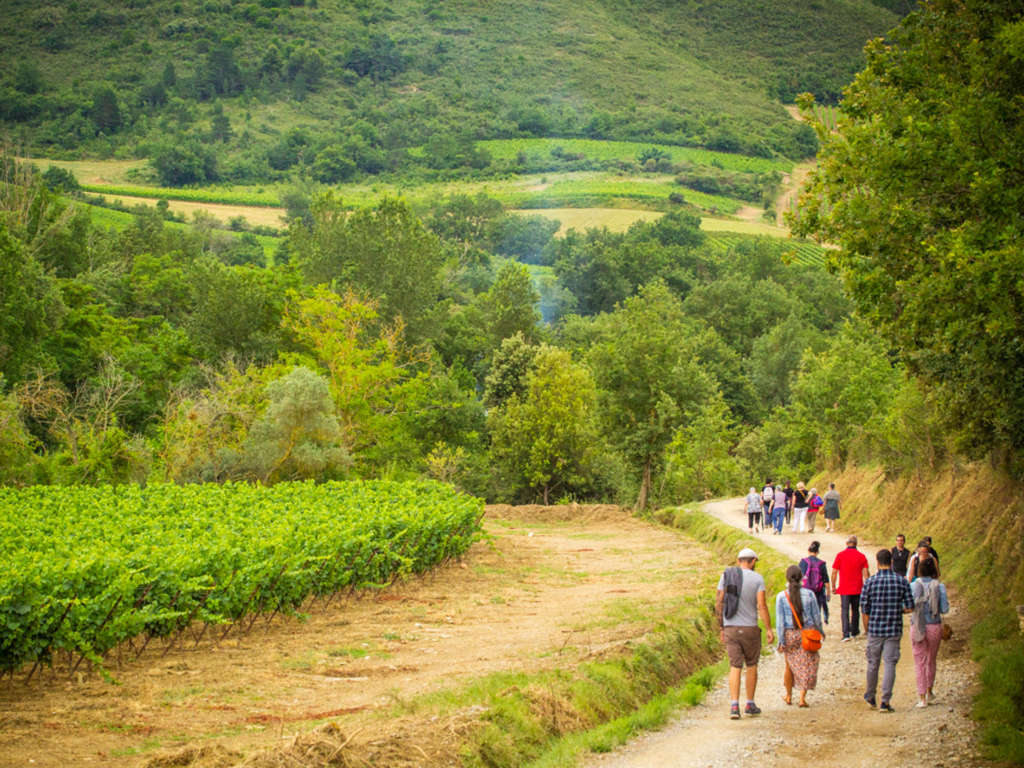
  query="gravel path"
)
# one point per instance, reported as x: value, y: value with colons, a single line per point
x: 838, y: 728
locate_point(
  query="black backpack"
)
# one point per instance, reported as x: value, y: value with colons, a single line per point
x: 732, y: 583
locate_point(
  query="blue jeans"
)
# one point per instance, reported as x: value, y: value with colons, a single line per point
x: 778, y: 515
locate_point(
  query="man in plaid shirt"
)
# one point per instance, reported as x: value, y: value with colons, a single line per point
x: 883, y: 601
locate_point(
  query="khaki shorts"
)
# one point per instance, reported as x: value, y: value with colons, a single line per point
x: 743, y: 644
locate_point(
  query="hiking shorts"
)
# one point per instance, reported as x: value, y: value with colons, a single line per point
x: 743, y: 645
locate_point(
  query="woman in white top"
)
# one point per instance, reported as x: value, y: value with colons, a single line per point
x: 753, y: 510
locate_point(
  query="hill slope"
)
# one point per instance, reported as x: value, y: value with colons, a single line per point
x: 353, y: 85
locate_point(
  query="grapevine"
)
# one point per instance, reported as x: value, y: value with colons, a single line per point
x: 90, y: 568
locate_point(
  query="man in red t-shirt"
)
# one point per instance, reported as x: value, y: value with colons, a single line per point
x: 850, y: 568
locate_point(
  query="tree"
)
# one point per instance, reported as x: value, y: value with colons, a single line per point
x: 510, y: 306
x: 236, y: 310
x: 547, y: 437
x: 700, y: 457
x: 183, y: 160
x: 105, y: 112
x: 509, y: 366
x: 648, y: 379
x: 220, y: 124
x: 17, y: 446
x: 922, y: 186
x: 297, y: 436
x: 29, y: 305
x: 383, y: 251
x: 366, y: 364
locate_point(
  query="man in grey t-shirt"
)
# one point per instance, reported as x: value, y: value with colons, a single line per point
x: 740, y: 633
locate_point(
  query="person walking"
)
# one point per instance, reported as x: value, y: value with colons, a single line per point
x: 923, y: 551
x: 900, y: 556
x: 796, y: 609
x: 831, y: 507
x: 753, y: 510
x: 779, y: 510
x: 886, y: 597
x: 767, y: 499
x: 801, y: 502
x: 789, y: 502
x: 816, y: 577
x: 930, y: 602
x: 739, y: 602
x: 814, y: 504
x: 849, y: 569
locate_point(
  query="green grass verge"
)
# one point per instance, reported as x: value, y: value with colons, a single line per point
x: 977, y: 529
x: 571, y: 749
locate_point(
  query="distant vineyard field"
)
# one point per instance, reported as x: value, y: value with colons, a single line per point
x: 87, y: 569
x: 796, y: 252
x: 213, y: 194
x: 506, y: 149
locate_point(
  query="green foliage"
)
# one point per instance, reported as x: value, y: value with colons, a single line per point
x: 385, y: 251
x: 297, y: 437
x: 419, y: 75
x: 838, y: 410
x: 28, y: 302
x: 89, y: 568
x: 17, y: 457
x: 601, y: 268
x: 509, y: 306
x: 546, y: 438
x: 180, y: 160
x: 649, y: 382
x: 699, y: 464
x: 509, y: 366
x: 921, y: 185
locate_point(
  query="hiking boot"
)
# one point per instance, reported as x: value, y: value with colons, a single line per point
x: 752, y: 709
x: 734, y: 712
x: 870, y: 700
x: 885, y: 706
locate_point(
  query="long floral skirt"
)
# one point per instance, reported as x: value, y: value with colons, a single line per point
x: 803, y: 663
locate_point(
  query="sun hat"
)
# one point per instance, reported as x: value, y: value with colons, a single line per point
x: 746, y: 554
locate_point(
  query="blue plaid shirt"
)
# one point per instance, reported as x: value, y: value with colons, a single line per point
x: 883, y: 599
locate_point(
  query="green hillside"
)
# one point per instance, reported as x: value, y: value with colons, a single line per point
x: 238, y: 91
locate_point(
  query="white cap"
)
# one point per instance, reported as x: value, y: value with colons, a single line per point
x: 746, y: 554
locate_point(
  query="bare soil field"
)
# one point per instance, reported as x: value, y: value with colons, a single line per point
x: 550, y: 587
x: 259, y: 215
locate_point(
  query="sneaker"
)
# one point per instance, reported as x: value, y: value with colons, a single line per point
x: 734, y: 711
x: 846, y: 639
x: 752, y: 708
x: 921, y: 704
x: 870, y: 700
x: 885, y: 706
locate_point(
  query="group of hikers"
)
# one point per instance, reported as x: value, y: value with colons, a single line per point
x: 780, y: 503
x: 905, y: 582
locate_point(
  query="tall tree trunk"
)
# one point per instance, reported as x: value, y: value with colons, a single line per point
x: 645, y: 487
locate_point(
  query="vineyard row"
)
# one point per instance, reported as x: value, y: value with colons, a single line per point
x: 88, y: 569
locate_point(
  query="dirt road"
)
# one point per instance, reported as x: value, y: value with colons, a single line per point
x: 550, y: 587
x: 838, y: 728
